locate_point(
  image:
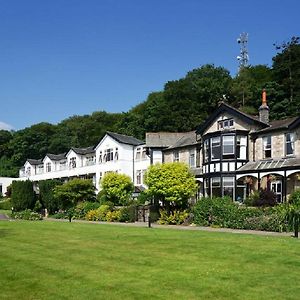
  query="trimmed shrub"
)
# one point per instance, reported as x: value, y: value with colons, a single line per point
x: 27, y: 215
x: 113, y: 216
x: 74, y: 191
x: 128, y: 214
x: 266, y: 198
x: 83, y: 208
x: 6, y: 204
x: 47, y: 196
x: 22, y: 195
x: 60, y: 215
x: 116, y: 188
x: 219, y: 212
x: 295, y: 198
x: 174, y: 218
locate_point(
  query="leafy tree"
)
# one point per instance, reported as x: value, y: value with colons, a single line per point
x: 248, y: 85
x: 22, y: 195
x: 116, y: 188
x: 172, y: 183
x: 74, y: 191
x: 293, y: 211
x: 47, y: 198
x: 286, y: 72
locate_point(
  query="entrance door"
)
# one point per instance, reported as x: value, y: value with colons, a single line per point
x: 276, y: 187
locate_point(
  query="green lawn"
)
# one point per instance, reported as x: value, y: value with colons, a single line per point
x: 57, y: 260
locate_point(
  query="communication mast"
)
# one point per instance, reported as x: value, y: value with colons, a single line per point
x: 243, y: 58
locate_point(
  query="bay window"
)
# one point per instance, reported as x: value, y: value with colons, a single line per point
x: 215, y: 148
x: 228, y: 187
x: 228, y: 146
x: 206, y: 150
x: 241, y: 147
x: 216, y: 187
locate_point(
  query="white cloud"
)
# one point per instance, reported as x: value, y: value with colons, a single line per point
x: 5, y: 126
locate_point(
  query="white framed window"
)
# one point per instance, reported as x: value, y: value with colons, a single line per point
x: 241, y: 147
x: 228, y: 146
x: 138, y: 154
x: 62, y: 165
x: 40, y: 169
x: 48, y: 167
x: 144, y: 153
x: 116, y: 154
x: 90, y: 160
x: 267, y: 147
x: 108, y: 155
x: 139, y: 177
x: 225, y: 124
x: 72, y: 163
x: 100, y: 157
x: 192, y: 160
x: 206, y: 150
x: 28, y: 171
x: 176, y: 155
x: 228, y: 187
x: 290, y: 144
x: 215, y: 148
x: 216, y: 187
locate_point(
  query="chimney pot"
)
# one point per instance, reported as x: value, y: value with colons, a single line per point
x: 264, y: 109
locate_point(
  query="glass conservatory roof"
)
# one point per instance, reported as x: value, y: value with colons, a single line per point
x: 270, y: 164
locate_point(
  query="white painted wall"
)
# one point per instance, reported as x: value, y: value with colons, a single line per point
x: 5, y: 182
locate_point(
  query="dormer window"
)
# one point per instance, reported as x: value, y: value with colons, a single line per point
x: 225, y: 124
x: 290, y: 144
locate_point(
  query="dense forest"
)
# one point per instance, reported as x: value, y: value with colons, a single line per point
x: 181, y: 106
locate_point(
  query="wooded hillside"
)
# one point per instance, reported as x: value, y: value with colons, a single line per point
x: 182, y: 105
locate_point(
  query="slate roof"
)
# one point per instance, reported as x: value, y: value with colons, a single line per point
x: 188, y: 139
x: 83, y: 151
x: 279, y: 124
x: 163, y: 139
x: 271, y: 164
x: 35, y: 162
x: 56, y: 157
x: 125, y: 139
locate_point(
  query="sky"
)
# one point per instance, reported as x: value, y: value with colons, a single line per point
x: 60, y: 58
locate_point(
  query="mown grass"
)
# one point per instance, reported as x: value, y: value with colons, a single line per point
x: 57, y: 260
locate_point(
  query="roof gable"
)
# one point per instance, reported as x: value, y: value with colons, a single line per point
x: 34, y: 162
x: 232, y: 111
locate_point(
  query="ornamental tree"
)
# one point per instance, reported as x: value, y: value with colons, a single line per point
x: 116, y: 188
x: 171, y: 183
x: 74, y: 191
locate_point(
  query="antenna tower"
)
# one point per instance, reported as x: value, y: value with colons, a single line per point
x: 243, y: 58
